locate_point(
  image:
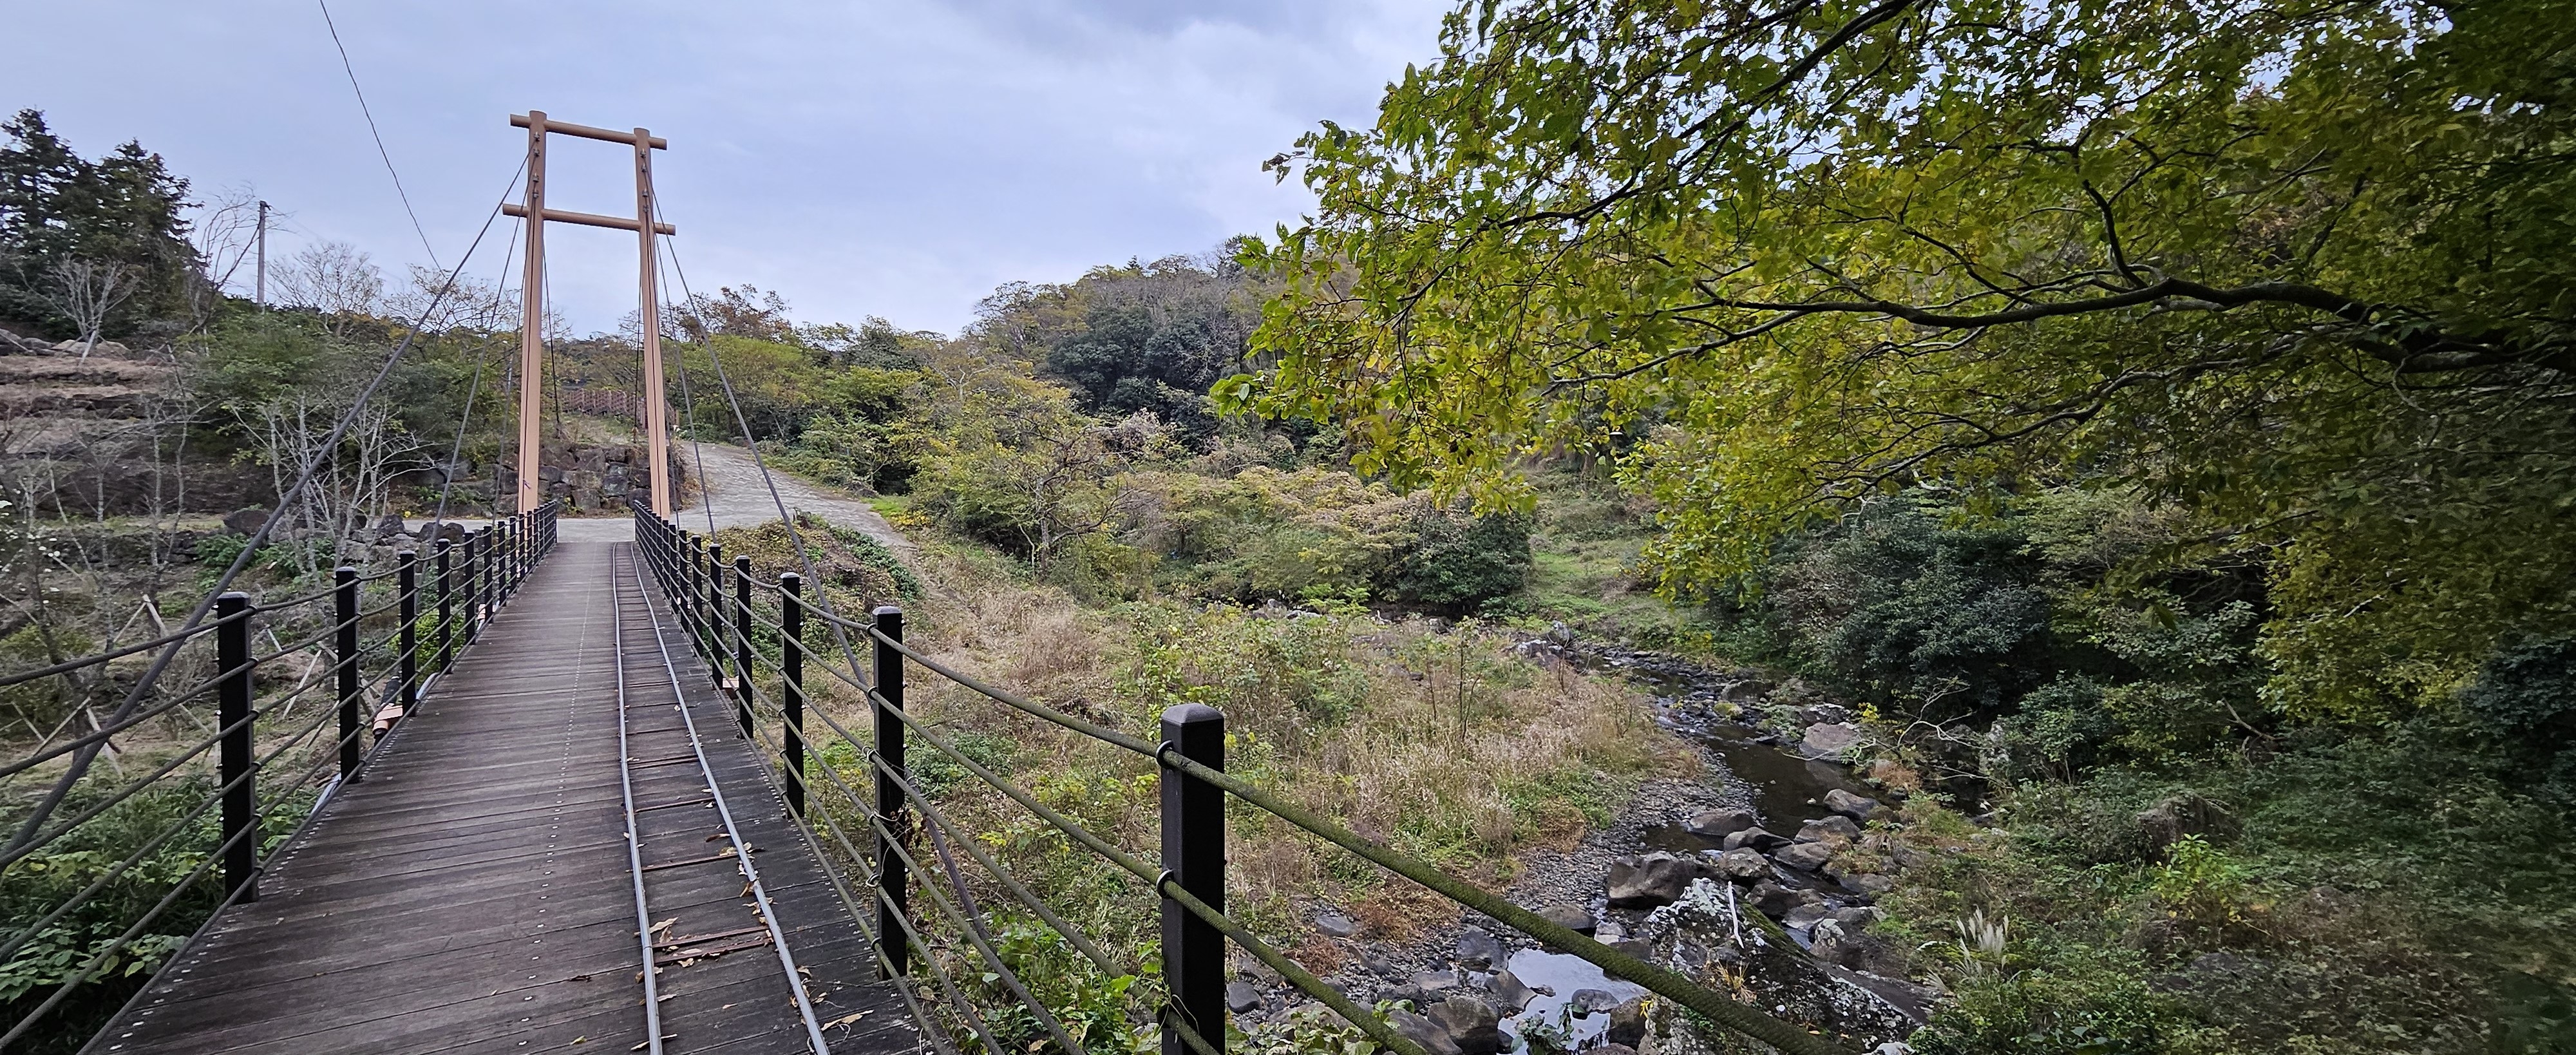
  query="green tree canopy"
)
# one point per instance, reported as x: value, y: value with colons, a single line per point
x: 59, y: 210
x: 2298, y: 266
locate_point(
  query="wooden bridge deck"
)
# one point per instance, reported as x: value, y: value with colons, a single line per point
x: 472, y: 893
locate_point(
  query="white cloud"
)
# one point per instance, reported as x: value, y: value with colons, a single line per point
x: 878, y: 157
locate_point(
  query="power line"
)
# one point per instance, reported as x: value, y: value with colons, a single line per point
x: 370, y: 115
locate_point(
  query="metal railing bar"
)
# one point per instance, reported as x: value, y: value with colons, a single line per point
x: 1019, y: 891
x: 69, y: 665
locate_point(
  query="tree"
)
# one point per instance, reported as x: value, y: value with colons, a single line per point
x: 117, y: 215
x: 2298, y: 267
x: 336, y: 280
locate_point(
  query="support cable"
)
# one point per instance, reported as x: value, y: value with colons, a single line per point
x: 82, y: 758
x: 379, y: 137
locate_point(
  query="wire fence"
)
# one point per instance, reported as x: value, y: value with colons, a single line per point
x: 756, y: 637
x: 258, y: 771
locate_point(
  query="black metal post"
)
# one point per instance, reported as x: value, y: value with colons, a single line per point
x: 232, y: 716
x: 408, y: 581
x: 890, y: 871
x: 446, y: 604
x: 791, y: 690
x: 1194, y: 857
x: 742, y: 641
x: 711, y: 644
x: 344, y: 645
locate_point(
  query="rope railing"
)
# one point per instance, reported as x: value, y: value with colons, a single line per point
x: 719, y: 605
x: 362, y: 657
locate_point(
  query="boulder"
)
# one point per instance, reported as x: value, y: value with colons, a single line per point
x: 1588, y: 1002
x: 1744, y: 866
x: 1241, y: 997
x: 550, y: 474
x: 1336, y: 925
x: 1627, y: 1024
x: 1509, y: 992
x: 1869, y: 885
x: 389, y: 527
x: 1423, y: 1032
x: 1652, y: 881
x: 1472, y: 1025
x: 246, y: 521
x: 1804, y: 916
x: 587, y: 499
x: 1775, y: 901
x: 1632, y: 947
x: 1824, y: 714
x: 1479, y: 951
x: 2169, y: 821
x: 1754, y: 839
x: 1805, y: 857
x: 1831, y: 739
x: 1856, y: 807
x: 1570, y: 917
x: 1834, y: 829
x: 1718, y: 824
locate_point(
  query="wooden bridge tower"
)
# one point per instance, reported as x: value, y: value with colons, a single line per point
x: 532, y: 342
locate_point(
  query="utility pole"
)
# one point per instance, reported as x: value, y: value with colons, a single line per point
x: 532, y: 283
x: 259, y: 284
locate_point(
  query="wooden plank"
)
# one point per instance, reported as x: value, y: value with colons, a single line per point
x: 472, y: 894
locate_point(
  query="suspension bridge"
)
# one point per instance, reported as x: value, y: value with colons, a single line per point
x: 564, y: 795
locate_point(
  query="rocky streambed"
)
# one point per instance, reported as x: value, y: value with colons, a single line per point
x: 1758, y: 880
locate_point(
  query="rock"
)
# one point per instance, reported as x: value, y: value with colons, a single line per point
x: 1611, y: 1049
x: 1586, y: 1002
x: 1435, y: 983
x: 1824, y: 714
x: 1856, y: 917
x: 1718, y: 824
x: 1509, y: 992
x: 1805, y: 857
x: 1570, y: 917
x: 1479, y: 951
x: 1869, y: 885
x: 1241, y: 997
x: 1378, y: 962
x: 1652, y: 881
x: 447, y: 531
x: 1775, y: 901
x: 1745, y: 691
x: 587, y: 499
x: 389, y: 527
x: 1422, y: 1031
x: 246, y: 521
x: 1805, y: 916
x: 1638, y: 949
x: 1831, y: 739
x: 1856, y: 807
x: 1471, y: 1025
x: 550, y: 474
x: 1834, y: 829
x: 1336, y: 925
x: 1907, y: 999
x: 1744, y: 866
x: 1627, y: 1024
x: 1754, y: 838
x: 2169, y: 821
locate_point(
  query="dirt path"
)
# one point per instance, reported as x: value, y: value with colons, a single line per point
x: 736, y: 493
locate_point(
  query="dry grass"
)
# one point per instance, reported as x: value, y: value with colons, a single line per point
x: 1438, y: 741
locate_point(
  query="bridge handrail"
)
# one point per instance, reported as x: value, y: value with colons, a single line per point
x: 427, y: 635
x: 718, y: 620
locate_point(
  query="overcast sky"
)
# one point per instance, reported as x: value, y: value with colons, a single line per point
x: 862, y: 158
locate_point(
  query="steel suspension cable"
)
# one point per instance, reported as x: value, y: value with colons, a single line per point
x: 83, y: 757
